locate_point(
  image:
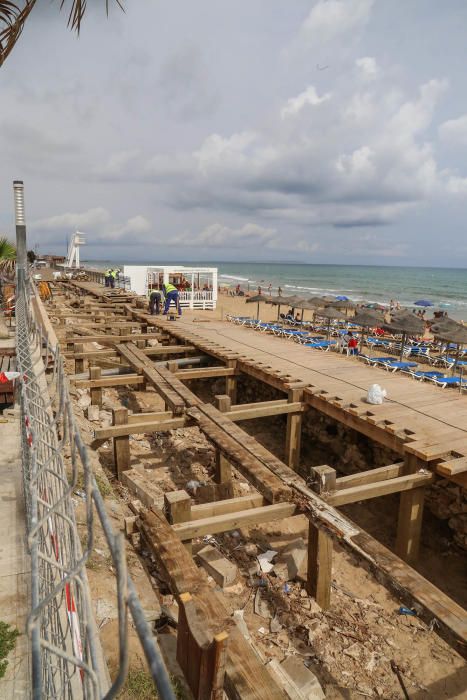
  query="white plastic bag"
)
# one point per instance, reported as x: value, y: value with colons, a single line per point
x: 376, y: 394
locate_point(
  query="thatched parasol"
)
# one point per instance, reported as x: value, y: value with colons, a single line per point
x: 259, y: 299
x: 307, y: 305
x: 367, y: 319
x: 453, y: 332
x: 343, y: 304
x: 405, y: 324
x: 331, y: 314
x: 277, y: 301
x: 320, y: 301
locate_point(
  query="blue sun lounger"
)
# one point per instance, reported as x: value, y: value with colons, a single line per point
x: 423, y: 375
x: 395, y: 365
x: 449, y: 381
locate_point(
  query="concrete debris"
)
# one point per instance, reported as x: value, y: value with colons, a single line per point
x: 265, y: 559
x: 223, y: 571
x: 92, y: 413
x: 261, y: 605
x: 84, y: 401
x: 295, y: 557
x: 241, y: 624
x: 298, y: 681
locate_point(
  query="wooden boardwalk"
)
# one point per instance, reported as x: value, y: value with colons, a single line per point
x: 421, y: 414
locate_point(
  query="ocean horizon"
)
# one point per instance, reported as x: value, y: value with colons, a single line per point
x: 445, y: 287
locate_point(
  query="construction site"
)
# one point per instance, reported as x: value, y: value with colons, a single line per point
x: 286, y: 539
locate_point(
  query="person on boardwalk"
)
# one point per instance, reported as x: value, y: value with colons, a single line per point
x: 155, y: 302
x: 108, y: 277
x: 171, y: 295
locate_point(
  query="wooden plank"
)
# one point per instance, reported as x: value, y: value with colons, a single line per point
x: 204, y: 373
x: 246, y: 676
x: 233, y: 521
x: 96, y: 391
x: 252, y: 468
x: 429, y: 452
x: 371, y: 476
x: 148, y: 417
x: 230, y: 505
x: 113, y: 339
x: 121, y: 444
x: 264, y: 409
x: 452, y: 467
x: 118, y: 380
x: 319, y: 572
x: 294, y: 431
x: 152, y: 426
x: 382, y: 488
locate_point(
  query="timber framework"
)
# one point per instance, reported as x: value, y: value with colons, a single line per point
x: 216, y: 657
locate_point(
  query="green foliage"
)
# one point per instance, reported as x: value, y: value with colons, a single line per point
x: 7, y: 258
x: 140, y: 686
x: 31, y: 256
x: 8, y: 637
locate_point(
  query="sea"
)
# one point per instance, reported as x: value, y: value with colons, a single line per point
x: 445, y: 288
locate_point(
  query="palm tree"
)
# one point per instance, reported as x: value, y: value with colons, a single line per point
x: 7, y: 259
x: 14, y: 13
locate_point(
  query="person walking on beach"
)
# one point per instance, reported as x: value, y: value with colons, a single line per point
x: 259, y: 289
x: 270, y: 289
x: 171, y: 295
x: 279, y: 291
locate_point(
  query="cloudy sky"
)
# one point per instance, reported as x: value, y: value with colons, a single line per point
x: 320, y: 131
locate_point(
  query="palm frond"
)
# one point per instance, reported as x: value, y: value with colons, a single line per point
x: 7, y: 260
x: 13, y: 15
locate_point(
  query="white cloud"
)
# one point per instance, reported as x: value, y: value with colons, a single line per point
x: 96, y: 222
x: 454, y: 131
x: 329, y: 19
x: 457, y: 185
x: 221, y: 236
x: 307, y: 97
x: 367, y: 67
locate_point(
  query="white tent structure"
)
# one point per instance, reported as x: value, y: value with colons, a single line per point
x: 200, y: 282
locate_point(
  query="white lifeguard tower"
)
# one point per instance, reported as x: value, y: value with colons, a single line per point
x: 72, y: 259
x: 197, y: 285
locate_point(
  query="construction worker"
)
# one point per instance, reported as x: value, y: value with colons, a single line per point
x: 171, y: 294
x: 113, y: 277
x: 155, y: 301
x: 108, y: 277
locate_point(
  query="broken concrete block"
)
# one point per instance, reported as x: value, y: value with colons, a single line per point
x: 92, y: 413
x: 130, y: 525
x: 295, y: 557
x: 302, y: 680
x: 223, y: 571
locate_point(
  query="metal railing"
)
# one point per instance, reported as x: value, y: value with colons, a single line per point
x: 67, y: 660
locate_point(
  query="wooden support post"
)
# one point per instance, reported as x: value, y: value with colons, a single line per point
x: 223, y: 473
x: 318, y: 583
x: 96, y: 392
x: 79, y: 363
x: 409, y: 524
x: 294, y: 432
x: 121, y: 444
x: 231, y: 382
x: 178, y: 509
x: 172, y: 365
x: 323, y: 479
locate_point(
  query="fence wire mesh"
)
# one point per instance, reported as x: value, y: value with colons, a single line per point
x: 67, y: 659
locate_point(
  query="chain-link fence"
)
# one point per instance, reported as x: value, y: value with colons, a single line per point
x: 67, y: 659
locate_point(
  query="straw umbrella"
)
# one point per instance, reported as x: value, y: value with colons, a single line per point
x: 405, y: 324
x: 453, y: 332
x: 307, y: 305
x: 276, y: 301
x: 332, y: 315
x: 367, y: 319
x: 257, y: 299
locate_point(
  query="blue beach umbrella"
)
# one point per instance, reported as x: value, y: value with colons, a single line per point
x: 423, y: 302
x: 342, y: 298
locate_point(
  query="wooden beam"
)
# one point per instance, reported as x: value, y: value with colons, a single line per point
x: 204, y: 373
x: 323, y: 479
x: 89, y: 355
x: 229, y: 505
x: 231, y: 381
x: 452, y: 467
x: 232, y: 521
x: 294, y: 431
x: 79, y: 362
x: 117, y: 380
x: 409, y: 524
x: 161, y: 350
x: 319, y: 572
x: 121, y: 443
x: 264, y: 409
x: 96, y: 391
x: 371, y: 476
x: 153, y: 426
x: 381, y: 488
x: 112, y: 339
x: 149, y: 417
x: 178, y: 509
